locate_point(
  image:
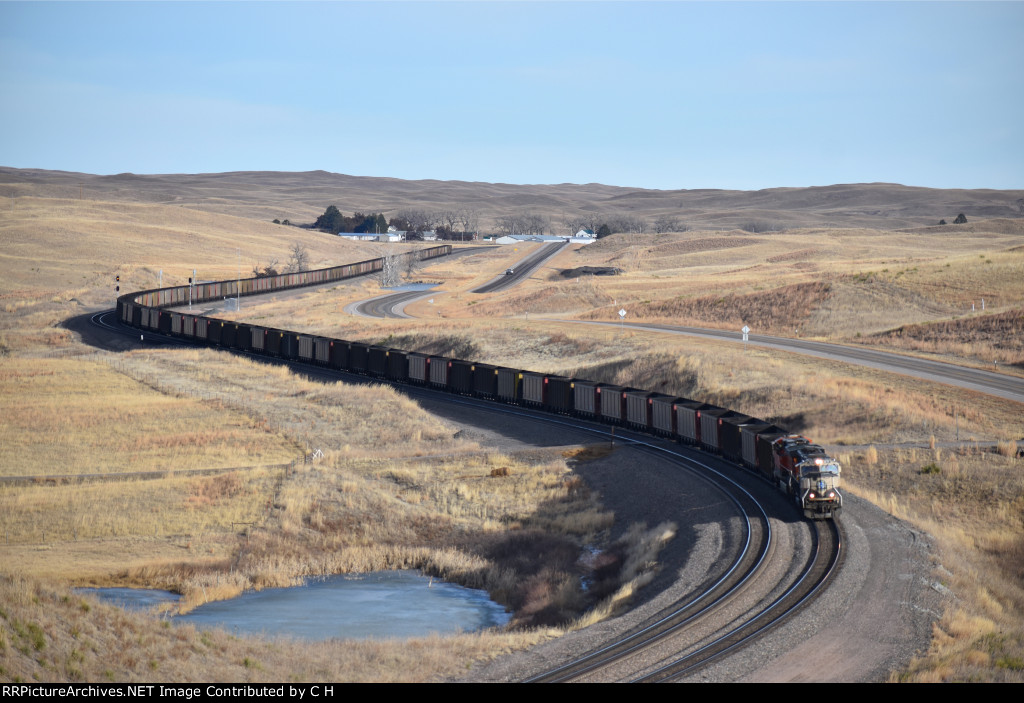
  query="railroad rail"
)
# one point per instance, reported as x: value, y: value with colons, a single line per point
x: 683, y: 626
x: 825, y: 563
x: 705, y: 602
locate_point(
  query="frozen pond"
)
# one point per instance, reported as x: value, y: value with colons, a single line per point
x: 413, y: 286
x: 359, y: 606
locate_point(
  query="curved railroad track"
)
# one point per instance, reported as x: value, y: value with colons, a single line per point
x: 748, y: 601
x: 825, y: 561
x: 725, y: 612
x: 753, y: 548
x: 742, y: 558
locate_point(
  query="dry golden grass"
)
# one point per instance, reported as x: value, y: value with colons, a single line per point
x: 841, y: 284
x: 832, y: 401
x: 96, y: 239
x: 971, y: 502
x: 989, y: 338
x: 837, y: 284
x: 446, y: 517
x: 176, y: 508
x: 641, y: 546
x: 59, y: 258
x: 76, y: 416
x: 428, y: 501
x: 357, y: 420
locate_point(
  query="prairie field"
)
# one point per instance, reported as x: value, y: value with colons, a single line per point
x: 429, y: 501
x: 193, y: 470
x: 970, y: 500
x: 95, y: 419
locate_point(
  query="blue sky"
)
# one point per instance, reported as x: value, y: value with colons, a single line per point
x: 658, y: 95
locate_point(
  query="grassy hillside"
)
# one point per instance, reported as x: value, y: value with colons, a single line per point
x: 301, y: 197
x: 856, y: 263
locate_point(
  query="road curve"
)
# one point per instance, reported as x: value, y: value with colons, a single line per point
x: 393, y: 304
x: 991, y: 383
x: 390, y: 305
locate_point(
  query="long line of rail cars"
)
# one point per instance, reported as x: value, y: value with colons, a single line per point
x: 792, y: 462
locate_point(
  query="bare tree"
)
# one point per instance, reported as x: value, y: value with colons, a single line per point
x: 419, y: 220
x: 669, y: 223
x: 300, y: 258
x: 391, y: 268
x: 534, y: 223
x: 760, y: 226
x: 624, y: 222
x: 592, y: 221
x: 571, y: 224
x: 410, y: 262
x: 523, y: 223
x: 449, y: 218
x: 508, y: 224
x: 468, y: 219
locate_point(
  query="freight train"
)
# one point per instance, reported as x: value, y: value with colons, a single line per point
x: 793, y: 463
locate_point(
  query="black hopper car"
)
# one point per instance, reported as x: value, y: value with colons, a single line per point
x: 748, y: 441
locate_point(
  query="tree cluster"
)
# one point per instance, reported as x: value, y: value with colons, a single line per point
x: 760, y: 226
x: 261, y: 271
x: 459, y: 224
x: 456, y: 223
x: 617, y: 222
x: 668, y: 223
x: 523, y: 223
x: 571, y: 224
x: 624, y: 222
x: 334, y: 221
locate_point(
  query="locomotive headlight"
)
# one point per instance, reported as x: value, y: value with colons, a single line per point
x: 811, y: 495
x: 831, y: 494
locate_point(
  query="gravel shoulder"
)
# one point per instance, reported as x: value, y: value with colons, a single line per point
x: 871, y: 621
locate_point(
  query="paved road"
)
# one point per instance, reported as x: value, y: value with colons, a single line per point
x: 390, y: 305
x: 997, y: 384
x: 393, y: 304
x: 523, y: 269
